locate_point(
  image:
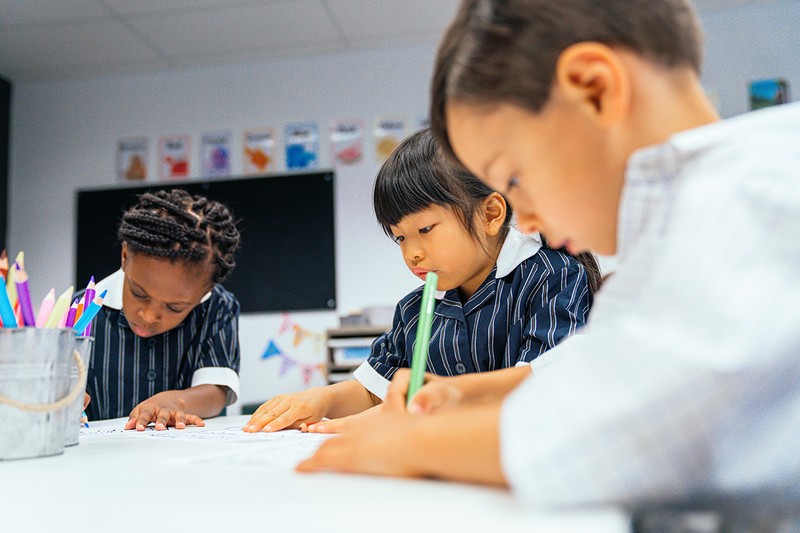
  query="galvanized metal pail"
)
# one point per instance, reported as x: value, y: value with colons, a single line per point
x: 35, y: 390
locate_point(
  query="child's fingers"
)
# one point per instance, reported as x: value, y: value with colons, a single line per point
x: 194, y: 420
x: 259, y: 421
x: 162, y: 419
x: 180, y: 419
x: 398, y: 389
x: 144, y: 417
x: 263, y: 415
x: 331, y: 455
x: 283, y: 421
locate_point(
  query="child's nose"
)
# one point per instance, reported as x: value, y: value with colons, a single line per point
x: 149, y: 313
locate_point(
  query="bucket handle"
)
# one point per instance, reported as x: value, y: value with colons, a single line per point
x: 58, y: 404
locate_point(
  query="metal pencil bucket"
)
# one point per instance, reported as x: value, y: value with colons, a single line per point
x: 35, y: 390
x: 83, y: 345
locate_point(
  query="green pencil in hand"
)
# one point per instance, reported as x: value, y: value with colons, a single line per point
x: 420, y: 356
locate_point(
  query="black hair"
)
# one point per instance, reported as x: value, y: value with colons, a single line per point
x: 417, y: 175
x: 175, y: 225
x: 506, y: 51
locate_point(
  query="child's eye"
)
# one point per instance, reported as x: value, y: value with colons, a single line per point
x: 426, y: 229
x: 513, y: 181
x: 398, y: 238
x: 138, y: 295
x: 173, y: 310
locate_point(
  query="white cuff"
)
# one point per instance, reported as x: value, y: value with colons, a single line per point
x: 372, y: 381
x: 217, y: 375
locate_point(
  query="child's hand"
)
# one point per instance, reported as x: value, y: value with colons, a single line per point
x: 165, y: 409
x: 437, y: 393
x: 344, y: 424
x: 289, y: 411
x: 371, y: 445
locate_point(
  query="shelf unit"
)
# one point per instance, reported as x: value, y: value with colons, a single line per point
x: 347, y: 348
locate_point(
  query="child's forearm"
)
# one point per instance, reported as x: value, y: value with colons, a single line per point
x: 348, y: 398
x: 204, y: 401
x: 492, y: 386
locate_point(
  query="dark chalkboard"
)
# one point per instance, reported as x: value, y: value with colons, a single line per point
x: 286, y: 261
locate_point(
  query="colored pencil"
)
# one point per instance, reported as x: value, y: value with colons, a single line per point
x: 24, y: 296
x: 4, y: 264
x: 60, y: 308
x: 71, y: 312
x: 6, y: 311
x: 45, y: 308
x: 420, y: 357
x: 89, y: 313
x: 90, y: 293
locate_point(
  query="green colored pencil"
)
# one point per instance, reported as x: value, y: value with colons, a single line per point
x: 420, y: 359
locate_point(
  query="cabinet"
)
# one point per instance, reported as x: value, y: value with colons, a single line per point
x: 347, y: 348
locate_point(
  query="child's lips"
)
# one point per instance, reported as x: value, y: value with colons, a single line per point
x: 420, y: 272
x: 141, y: 331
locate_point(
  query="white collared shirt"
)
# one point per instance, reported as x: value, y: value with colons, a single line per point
x: 687, y: 381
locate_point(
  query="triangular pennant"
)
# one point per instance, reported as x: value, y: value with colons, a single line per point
x: 307, y: 371
x: 299, y: 335
x: 272, y: 349
x: 286, y: 324
x: 286, y: 365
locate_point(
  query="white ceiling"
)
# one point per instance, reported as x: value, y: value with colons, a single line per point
x: 52, y: 39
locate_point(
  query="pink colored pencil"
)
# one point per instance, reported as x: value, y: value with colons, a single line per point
x: 46, y: 308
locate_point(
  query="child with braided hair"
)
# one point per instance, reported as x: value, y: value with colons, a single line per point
x: 166, y: 340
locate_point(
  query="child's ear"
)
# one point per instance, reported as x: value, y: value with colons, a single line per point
x: 494, y: 210
x: 123, y: 256
x: 593, y: 77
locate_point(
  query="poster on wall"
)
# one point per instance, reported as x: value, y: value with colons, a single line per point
x: 347, y: 141
x: 258, y: 151
x: 215, y: 154
x: 768, y: 92
x: 173, y: 157
x: 389, y: 131
x: 132, y: 159
x: 302, y: 145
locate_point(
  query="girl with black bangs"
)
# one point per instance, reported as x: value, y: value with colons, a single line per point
x: 503, y: 299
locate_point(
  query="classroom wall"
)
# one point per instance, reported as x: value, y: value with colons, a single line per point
x: 64, y: 136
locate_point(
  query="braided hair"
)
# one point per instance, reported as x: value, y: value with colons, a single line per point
x: 175, y: 225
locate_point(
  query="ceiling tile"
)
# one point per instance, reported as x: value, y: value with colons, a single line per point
x: 139, y: 7
x: 17, y: 12
x: 275, y: 26
x: 368, y: 20
x: 70, y: 45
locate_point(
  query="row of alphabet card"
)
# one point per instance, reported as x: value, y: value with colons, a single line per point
x: 301, y: 146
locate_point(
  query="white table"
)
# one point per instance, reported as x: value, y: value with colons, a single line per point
x: 123, y: 482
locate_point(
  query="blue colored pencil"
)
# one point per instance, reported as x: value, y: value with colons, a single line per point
x: 89, y: 313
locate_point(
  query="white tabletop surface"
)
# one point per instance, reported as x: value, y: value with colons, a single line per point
x: 214, y: 478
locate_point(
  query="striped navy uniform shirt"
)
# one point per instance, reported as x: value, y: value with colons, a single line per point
x: 532, y: 299
x: 126, y: 369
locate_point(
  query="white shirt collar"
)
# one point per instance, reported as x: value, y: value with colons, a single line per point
x: 112, y: 284
x: 517, y: 248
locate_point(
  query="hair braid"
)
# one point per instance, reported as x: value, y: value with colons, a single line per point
x: 178, y: 226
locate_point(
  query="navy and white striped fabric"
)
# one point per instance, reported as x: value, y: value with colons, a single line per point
x: 509, y: 320
x: 126, y: 369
